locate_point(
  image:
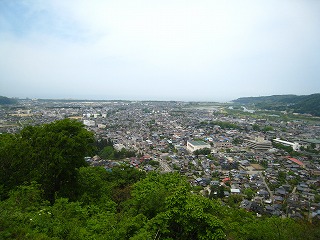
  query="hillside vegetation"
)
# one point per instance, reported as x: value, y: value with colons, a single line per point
x: 48, y: 192
x: 305, y: 104
x: 5, y: 100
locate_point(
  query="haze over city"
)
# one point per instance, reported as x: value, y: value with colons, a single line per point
x: 159, y: 50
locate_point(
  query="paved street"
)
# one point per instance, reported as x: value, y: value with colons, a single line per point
x: 264, y: 181
x: 164, y: 165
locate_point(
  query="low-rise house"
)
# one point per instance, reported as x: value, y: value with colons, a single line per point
x: 263, y: 193
x: 280, y: 191
x: 236, y: 191
x: 278, y: 199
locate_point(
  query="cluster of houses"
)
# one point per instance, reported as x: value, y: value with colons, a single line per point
x: 241, y: 159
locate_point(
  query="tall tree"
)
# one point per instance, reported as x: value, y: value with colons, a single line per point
x: 49, y: 154
x: 149, y: 194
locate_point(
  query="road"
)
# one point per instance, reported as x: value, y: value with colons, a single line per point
x: 21, y: 124
x: 164, y: 165
x: 264, y: 181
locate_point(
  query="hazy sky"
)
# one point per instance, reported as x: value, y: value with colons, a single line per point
x: 207, y: 50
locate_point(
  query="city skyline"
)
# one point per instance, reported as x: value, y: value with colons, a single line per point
x: 168, y: 50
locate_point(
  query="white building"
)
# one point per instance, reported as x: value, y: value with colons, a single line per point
x: 295, y: 146
x: 196, y: 145
x: 102, y: 126
x: 89, y: 123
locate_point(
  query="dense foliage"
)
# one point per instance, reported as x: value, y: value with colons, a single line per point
x: 119, y: 203
x: 202, y: 151
x: 288, y: 149
x: 268, y: 99
x: 309, y: 104
x: 105, y: 149
x: 110, y: 152
x: 48, y: 154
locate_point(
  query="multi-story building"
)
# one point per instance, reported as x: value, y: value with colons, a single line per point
x: 223, y: 145
x: 259, y: 144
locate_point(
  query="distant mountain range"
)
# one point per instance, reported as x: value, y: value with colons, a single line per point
x: 305, y: 104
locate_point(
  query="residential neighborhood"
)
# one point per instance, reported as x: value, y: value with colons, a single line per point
x: 266, y: 163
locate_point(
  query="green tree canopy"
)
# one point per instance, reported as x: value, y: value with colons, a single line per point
x: 203, y: 151
x: 48, y: 154
x: 170, y: 211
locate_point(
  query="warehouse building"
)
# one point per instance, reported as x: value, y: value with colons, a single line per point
x: 196, y: 145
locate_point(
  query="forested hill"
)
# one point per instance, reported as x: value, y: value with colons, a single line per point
x: 6, y: 100
x: 309, y: 104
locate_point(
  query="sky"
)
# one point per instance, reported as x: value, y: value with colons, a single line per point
x: 204, y: 50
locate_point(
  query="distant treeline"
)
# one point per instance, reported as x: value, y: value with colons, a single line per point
x: 305, y: 104
x: 223, y: 125
x: 6, y: 100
